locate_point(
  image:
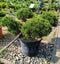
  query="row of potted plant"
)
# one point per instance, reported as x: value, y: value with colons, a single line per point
x: 32, y: 30
x: 16, y: 5
x: 26, y: 13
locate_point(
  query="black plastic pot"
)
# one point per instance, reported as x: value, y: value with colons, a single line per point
x: 30, y: 48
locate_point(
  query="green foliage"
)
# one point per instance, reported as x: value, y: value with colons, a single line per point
x: 12, y: 24
x: 2, y: 13
x: 1, y: 0
x: 57, y: 4
x: 24, y: 13
x: 1, y: 62
x: 52, y: 6
x: 45, y: 7
x: 52, y: 17
x: 25, y: 4
x: 35, y: 7
x: 0, y: 22
x: 3, y: 5
x: 35, y: 28
x: 3, y: 52
x: 12, y: 6
x: 48, y: 6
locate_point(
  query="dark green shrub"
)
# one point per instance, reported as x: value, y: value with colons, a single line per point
x: 52, y: 6
x: 35, y: 28
x: 17, y: 6
x: 2, y: 13
x: 24, y: 4
x: 3, y: 5
x: 35, y: 7
x: 46, y: 7
x: 0, y: 22
x: 57, y: 5
x: 1, y: 0
x: 52, y: 17
x: 24, y: 13
x: 12, y: 6
x: 31, y: 1
x: 12, y: 24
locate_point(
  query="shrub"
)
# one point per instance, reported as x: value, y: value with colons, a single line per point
x: 46, y: 7
x: 31, y: 1
x: 14, y: 6
x: 52, y: 17
x: 24, y: 13
x: 0, y: 22
x: 35, y: 28
x: 3, y: 5
x: 52, y: 6
x: 12, y: 24
x: 17, y: 6
x: 57, y: 6
x: 35, y: 7
x: 24, y: 4
x: 2, y: 13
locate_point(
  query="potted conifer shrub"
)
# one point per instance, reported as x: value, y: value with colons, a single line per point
x: 24, y: 13
x: 32, y: 32
x: 52, y: 17
x: 13, y: 25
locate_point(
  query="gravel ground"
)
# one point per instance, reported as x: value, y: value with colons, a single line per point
x: 6, y: 39
x: 14, y: 54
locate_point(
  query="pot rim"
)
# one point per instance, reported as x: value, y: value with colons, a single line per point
x: 30, y: 40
